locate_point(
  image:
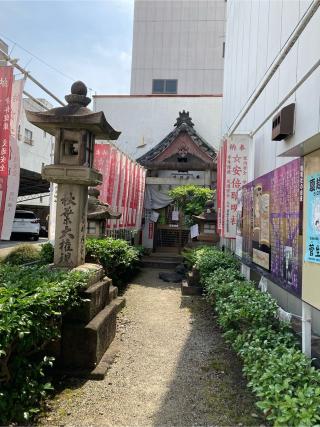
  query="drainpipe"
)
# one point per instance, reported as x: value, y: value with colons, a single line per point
x: 276, y: 64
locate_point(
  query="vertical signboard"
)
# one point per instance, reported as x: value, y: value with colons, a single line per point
x: 6, y: 79
x: 236, y: 175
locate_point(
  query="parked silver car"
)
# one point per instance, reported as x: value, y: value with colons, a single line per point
x: 26, y: 223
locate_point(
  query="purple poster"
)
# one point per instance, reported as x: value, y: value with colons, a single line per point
x: 272, y: 231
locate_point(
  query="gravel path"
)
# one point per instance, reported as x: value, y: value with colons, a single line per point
x: 173, y: 368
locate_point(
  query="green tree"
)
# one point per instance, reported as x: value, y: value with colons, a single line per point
x: 191, y: 198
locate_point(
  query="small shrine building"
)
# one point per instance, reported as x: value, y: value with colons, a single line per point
x: 183, y: 157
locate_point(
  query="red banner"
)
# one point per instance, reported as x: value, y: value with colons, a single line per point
x: 6, y: 80
x: 13, y: 180
x: 122, y: 187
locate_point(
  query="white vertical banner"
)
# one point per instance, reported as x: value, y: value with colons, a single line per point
x: 236, y: 169
x: 14, y: 161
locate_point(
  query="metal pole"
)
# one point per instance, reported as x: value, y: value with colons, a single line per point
x: 306, y: 329
x: 28, y: 75
x: 35, y: 100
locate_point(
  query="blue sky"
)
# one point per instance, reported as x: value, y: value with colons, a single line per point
x: 86, y: 40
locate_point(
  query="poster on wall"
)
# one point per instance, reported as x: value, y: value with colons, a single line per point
x: 313, y: 219
x: 261, y: 221
x: 239, y: 225
x: 272, y: 224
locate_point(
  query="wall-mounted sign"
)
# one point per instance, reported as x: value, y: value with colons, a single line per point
x: 313, y: 219
x: 272, y: 224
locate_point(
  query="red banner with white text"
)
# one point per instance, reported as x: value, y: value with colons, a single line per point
x: 123, y: 186
x: 13, y: 180
x: 6, y: 80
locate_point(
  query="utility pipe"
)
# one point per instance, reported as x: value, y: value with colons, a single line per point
x: 295, y: 87
x: 276, y: 64
x: 28, y: 75
x: 35, y: 100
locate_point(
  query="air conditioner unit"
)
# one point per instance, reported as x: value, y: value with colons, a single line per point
x: 283, y: 123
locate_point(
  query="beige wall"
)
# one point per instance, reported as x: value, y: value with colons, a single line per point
x: 178, y: 39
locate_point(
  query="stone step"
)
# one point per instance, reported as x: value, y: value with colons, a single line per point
x: 113, y: 292
x: 161, y: 263
x: 96, y: 272
x: 96, y: 297
x: 166, y: 255
x: 83, y: 347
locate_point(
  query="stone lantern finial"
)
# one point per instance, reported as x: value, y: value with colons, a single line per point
x: 78, y: 94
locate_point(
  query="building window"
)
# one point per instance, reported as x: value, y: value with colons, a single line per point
x: 19, y: 133
x: 28, y: 136
x: 223, y: 49
x: 164, y: 86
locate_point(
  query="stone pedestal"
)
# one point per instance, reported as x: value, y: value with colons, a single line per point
x: 71, y: 225
x: 89, y: 329
x: 191, y: 286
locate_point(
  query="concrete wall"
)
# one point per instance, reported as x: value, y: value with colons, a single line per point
x: 41, y: 150
x: 4, y: 48
x: 256, y: 31
x: 178, y: 39
x: 145, y: 121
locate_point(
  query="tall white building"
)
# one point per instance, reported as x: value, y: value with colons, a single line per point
x: 178, y: 47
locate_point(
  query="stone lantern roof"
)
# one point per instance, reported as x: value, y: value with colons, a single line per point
x: 75, y: 115
x: 208, y: 215
x: 98, y: 210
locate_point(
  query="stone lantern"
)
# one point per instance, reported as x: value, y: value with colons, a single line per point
x: 75, y: 128
x: 207, y: 223
x: 98, y: 213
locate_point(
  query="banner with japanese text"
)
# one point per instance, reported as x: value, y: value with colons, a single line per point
x: 13, y: 180
x: 6, y: 80
x: 123, y: 186
x: 236, y: 175
x: 221, y: 180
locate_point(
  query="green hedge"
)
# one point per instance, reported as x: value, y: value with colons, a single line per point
x: 22, y: 254
x: 286, y: 385
x: 32, y: 301
x: 119, y: 260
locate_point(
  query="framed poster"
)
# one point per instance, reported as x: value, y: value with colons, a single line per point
x: 272, y: 224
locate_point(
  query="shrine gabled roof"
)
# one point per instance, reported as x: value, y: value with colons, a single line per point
x: 183, y: 125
